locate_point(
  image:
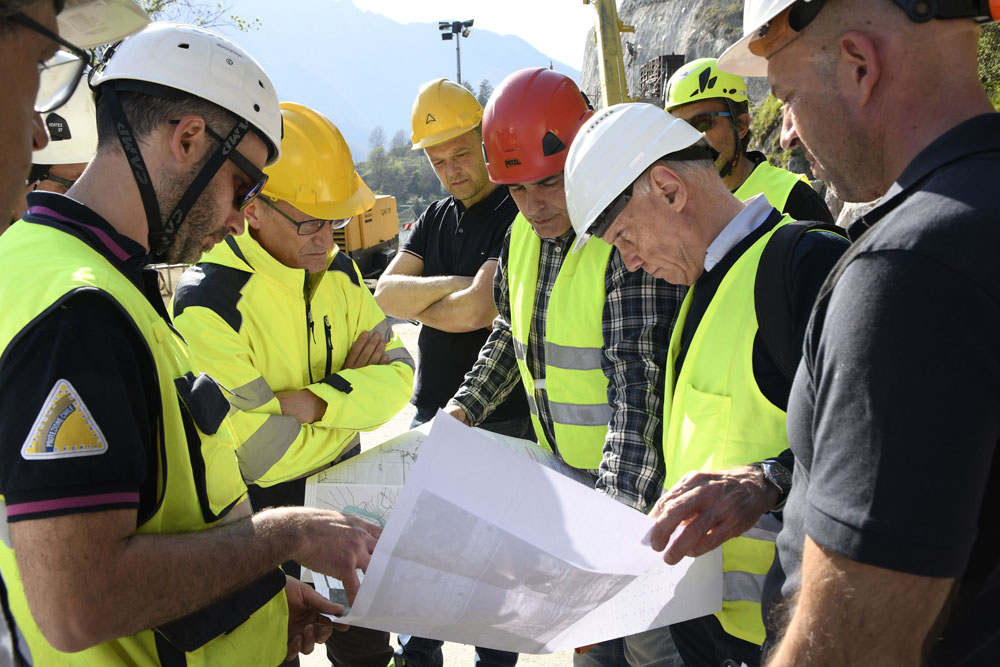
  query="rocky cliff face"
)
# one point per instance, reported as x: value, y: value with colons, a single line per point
x: 691, y: 29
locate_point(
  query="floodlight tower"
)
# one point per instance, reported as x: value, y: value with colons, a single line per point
x: 456, y: 30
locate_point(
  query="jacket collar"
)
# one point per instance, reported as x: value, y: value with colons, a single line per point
x: 245, y: 253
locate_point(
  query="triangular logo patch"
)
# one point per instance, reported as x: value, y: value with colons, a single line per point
x: 63, y: 428
x: 430, y: 119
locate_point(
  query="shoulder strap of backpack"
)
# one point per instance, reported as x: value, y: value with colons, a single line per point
x: 773, y: 293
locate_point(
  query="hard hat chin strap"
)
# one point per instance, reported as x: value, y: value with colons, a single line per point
x: 135, y: 161
x: 738, y: 148
x: 162, y: 232
x: 984, y: 11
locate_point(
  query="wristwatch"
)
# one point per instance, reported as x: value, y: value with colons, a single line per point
x: 777, y: 475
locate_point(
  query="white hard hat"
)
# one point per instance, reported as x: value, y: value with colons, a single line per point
x: 72, y: 130
x: 738, y: 59
x: 89, y: 23
x: 615, y: 146
x: 202, y: 63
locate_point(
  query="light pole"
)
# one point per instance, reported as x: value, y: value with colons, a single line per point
x: 456, y: 30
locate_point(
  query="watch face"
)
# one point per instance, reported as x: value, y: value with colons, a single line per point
x: 778, y: 475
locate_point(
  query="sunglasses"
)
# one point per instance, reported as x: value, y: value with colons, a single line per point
x: 258, y: 179
x: 58, y: 76
x: 607, y: 217
x: 310, y: 226
x: 705, y: 121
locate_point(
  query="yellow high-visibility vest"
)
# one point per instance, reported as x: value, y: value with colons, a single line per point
x: 773, y: 182
x: 715, y: 418
x: 575, y: 385
x: 199, y: 481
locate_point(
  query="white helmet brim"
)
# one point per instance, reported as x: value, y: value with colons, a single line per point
x: 90, y: 23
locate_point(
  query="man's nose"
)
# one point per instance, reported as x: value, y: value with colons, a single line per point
x: 789, y: 135
x: 39, y: 136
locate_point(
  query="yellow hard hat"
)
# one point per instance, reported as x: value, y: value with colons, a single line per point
x: 315, y: 173
x: 703, y: 80
x: 443, y: 110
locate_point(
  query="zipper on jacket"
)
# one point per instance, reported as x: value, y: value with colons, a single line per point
x: 329, y: 345
x: 310, y: 334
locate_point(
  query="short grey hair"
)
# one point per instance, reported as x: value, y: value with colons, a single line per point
x: 700, y: 175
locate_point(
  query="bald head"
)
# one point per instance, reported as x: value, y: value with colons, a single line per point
x: 869, y: 89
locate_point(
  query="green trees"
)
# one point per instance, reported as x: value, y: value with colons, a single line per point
x: 403, y: 173
x: 989, y: 62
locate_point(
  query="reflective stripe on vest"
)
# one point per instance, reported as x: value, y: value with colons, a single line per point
x: 199, y: 482
x: 773, y: 182
x: 574, y: 385
x: 715, y: 418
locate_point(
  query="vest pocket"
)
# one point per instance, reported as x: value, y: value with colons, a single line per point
x: 705, y: 430
x: 211, y: 445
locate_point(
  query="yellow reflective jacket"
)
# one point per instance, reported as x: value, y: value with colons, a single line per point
x: 259, y: 327
x: 199, y: 480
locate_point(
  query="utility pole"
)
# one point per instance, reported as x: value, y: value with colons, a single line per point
x: 614, y: 87
x: 456, y: 30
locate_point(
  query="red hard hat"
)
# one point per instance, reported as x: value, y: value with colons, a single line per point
x: 529, y: 123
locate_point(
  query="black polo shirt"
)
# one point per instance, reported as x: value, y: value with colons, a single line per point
x: 455, y: 241
x: 894, y: 416
x: 88, y: 352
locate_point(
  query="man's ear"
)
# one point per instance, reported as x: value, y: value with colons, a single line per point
x: 188, y: 140
x: 859, y: 67
x: 743, y: 125
x: 666, y: 183
x: 252, y: 214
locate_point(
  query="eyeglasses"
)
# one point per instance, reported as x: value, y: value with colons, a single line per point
x: 58, y: 76
x: 602, y: 223
x: 310, y: 226
x: 65, y: 182
x: 784, y: 28
x: 705, y: 121
x: 258, y: 179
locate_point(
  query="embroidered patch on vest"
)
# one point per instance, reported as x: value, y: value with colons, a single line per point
x: 63, y: 428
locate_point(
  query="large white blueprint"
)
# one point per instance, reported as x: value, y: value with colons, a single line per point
x: 485, y: 546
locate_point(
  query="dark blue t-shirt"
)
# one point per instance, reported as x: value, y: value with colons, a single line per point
x: 894, y: 416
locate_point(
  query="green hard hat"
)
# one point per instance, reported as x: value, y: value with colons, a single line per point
x: 703, y: 80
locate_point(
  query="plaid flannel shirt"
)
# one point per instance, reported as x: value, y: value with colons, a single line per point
x: 639, y: 314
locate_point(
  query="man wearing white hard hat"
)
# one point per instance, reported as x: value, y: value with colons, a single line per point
x: 645, y: 181
x: 72, y: 133
x: 128, y: 536
x: 53, y: 32
x: 888, y: 554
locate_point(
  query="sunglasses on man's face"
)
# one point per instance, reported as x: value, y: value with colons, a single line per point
x: 258, y: 179
x: 705, y: 121
x: 602, y: 223
x: 59, y: 75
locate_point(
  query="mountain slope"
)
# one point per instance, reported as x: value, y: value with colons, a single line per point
x: 363, y: 69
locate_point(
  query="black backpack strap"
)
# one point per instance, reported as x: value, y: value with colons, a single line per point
x: 772, y: 293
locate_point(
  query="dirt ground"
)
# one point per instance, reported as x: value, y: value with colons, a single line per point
x: 455, y: 655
